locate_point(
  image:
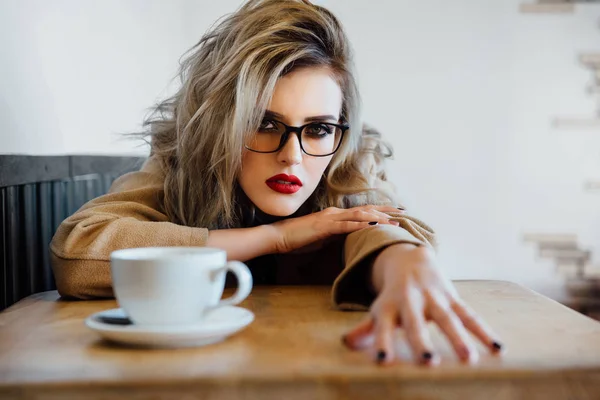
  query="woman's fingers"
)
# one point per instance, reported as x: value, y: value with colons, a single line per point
x: 385, y: 325
x: 454, y: 330
x: 342, y: 227
x: 372, y: 214
x: 381, y: 215
x: 417, y: 333
x: 387, y: 209
x: 473, y: 323
x: 383, y: 210
x: 360, y: 215
x: 352, y: 338
x: 452, y: 319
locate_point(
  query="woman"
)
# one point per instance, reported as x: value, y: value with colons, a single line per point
x: 261, y: 153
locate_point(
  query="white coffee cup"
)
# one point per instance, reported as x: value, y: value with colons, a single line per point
x: 174, y: 285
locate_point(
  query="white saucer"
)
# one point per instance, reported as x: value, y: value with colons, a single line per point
x: 216, y: 326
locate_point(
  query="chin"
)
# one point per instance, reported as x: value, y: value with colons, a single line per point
x: 278, y: 210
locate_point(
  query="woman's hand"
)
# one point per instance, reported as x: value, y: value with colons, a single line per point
x: 412, y: 291
x: 298, y: 232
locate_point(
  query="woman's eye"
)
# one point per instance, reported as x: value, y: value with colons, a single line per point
x: 267, y: 125
x: 318, y: 130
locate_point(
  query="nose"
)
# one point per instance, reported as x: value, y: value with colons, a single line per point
x: 291, y: 153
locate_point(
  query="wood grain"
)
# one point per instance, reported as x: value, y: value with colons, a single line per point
x: 293, y: 351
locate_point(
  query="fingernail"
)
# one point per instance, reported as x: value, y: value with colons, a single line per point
x: 465, y: 353
x: 497, y: 346
x: 380, y: 356
x: 427, y: 356
x: 373, y: 223
x: 345, y: 340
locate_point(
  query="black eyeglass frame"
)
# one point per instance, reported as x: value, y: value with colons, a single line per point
x: 298, y: 131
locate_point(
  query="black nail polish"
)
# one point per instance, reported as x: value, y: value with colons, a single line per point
x: 373, y: 223
x: 497, y: 346
x: 427, y: 356
x: 380, y: 356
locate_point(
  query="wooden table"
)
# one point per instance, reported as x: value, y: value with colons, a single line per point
x: 293, y: 351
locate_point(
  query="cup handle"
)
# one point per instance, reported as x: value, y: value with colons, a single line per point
x: 244, y: 283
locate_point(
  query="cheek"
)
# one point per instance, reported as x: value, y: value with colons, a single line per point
x: 317, y: 166
x: 249, y: 165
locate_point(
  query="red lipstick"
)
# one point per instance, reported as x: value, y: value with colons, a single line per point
x: 286, y: 184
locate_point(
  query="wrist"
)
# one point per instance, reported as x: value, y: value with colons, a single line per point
x: 394, y: 259
x: 271, y: 238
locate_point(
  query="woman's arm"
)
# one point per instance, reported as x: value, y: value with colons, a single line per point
x: 128, y: 216
x: 290, y: 234
x: 244, y: 244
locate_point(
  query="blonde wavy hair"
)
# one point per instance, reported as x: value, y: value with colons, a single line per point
x: 227, y: 81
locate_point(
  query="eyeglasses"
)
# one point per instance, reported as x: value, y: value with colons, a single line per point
x: 317, y: 139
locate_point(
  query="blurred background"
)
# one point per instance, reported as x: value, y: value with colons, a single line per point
x: 492, y: 113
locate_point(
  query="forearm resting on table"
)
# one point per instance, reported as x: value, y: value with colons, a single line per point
x: 244, y: 244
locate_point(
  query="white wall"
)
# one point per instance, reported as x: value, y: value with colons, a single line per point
x: 464, y: 90
x: 74, y: 74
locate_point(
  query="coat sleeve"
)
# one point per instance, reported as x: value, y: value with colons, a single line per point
x: 128, y: 216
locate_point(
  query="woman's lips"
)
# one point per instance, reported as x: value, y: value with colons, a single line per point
x: 286, y: 184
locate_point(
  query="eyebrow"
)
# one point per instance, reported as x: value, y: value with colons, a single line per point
x: 316, y: 118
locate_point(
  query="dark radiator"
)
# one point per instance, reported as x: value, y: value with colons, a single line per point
x: 31, y: 212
